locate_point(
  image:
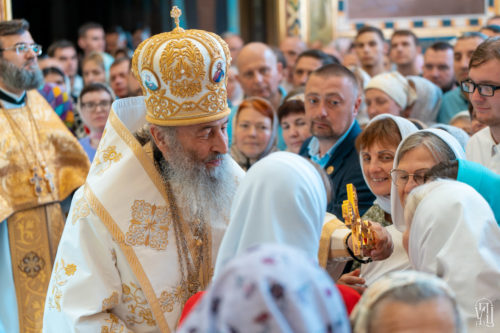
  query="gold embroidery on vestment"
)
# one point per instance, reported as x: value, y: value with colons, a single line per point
x: 65, y: 159
x: 139, y: 311
x: 30, y: 238
x: 60, y: 277
x: 80, y: 210
x: 110, y: 301
x: 105, y: 157
x: 129, y: 253
x: 31, y: 264
x: 149, y: 226
x: 178, y: 295
x: 113, y: 326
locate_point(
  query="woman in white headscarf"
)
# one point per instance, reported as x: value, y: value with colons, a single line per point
x: 416, y: 154
x: 458, y: 133
x: 415, y: 301
x: 409, y: 97
x: 389, y: 93
x: 377, y: 146
x: 270, y: 288
x: 451, y: 232
x: 282, y: 199
x: 428, y: 101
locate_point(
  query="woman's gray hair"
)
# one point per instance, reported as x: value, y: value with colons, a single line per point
x: 419, y: 291
x: 439, y: 149
x: 408, y: 287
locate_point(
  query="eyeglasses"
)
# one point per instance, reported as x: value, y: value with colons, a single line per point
x: 22, y: 48
x: 91, y: 106
x: 400, y: 177
x: 486, y: 90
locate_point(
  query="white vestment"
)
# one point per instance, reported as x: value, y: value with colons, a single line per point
x: 482, y: 149
x: 117, y: 266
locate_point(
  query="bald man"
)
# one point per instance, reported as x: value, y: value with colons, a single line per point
x: 259, y: 74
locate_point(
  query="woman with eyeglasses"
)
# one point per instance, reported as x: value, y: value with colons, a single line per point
x: 94, y: 105
x: 416, y: 155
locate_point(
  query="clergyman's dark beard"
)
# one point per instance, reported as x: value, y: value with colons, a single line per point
x: 20, y: 78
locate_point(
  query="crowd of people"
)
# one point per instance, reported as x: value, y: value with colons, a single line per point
x: 194, y: 182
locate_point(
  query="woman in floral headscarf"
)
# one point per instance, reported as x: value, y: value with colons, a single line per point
x: 270, y: 288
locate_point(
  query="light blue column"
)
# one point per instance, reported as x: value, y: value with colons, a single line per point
x: 182, y: 20
x: 233, y: 16
x: 9, y: 321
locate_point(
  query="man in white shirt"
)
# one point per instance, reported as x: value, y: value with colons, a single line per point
x: 482, y: 85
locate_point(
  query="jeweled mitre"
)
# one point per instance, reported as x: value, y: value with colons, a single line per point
x: 183, y: 74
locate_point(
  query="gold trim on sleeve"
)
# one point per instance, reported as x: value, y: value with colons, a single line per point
x: 324, y: 242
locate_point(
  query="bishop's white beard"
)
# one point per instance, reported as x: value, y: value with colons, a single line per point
x: 202, y: 194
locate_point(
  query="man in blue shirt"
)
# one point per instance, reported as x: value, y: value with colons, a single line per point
x: 332, y: 102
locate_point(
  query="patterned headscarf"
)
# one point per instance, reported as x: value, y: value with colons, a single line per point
x: 270, y: 288
x: 60, y: 102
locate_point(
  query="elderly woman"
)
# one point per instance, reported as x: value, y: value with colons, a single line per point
x: 255, y: 131
x: 407, y: 302
x: 270, y: 288
x: 428, y: 102
x: 415, y: 156
x: 292, y: 119
x: 377, y: 146
x: 389, y: 93
x: 451, y: 232
x: 408, y: 97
